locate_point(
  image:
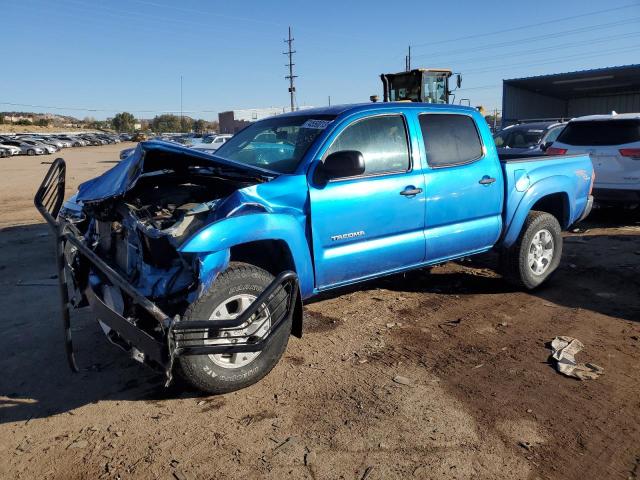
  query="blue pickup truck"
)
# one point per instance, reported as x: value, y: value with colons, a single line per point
x: 198, y: 264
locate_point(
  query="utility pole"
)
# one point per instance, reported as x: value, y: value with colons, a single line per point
x: 407, y: 60
x: 291, y: 76
x: 181, y: 116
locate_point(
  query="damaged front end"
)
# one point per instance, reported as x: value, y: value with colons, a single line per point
x: 118, y: 250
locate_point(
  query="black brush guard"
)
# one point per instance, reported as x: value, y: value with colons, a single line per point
x: 177, y: 337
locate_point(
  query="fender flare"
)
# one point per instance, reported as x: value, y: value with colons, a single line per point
x: 543, y: 188
x: 229, y: 232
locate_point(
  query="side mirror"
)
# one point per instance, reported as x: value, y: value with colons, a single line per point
x: 458, y: 80
x: 545, y: 145
x: 346, y: 163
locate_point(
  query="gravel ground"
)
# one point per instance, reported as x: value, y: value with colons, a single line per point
x: 439, y: 373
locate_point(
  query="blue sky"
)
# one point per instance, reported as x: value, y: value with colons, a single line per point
x: 98, y: 58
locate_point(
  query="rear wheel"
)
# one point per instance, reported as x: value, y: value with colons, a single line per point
x: 232, y: 292
x: 536, y: 254
x: 31, y: 152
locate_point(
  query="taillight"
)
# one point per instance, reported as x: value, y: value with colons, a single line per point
x: 555, y: 151
x: 630, y: 152
x: 593, y: 180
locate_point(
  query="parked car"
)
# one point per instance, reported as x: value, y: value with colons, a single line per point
x: 10, y: 149
x: 26, y: 148
x: 217, y: 252
x: 526, y: 139
x: 65, y: 143
x: 75, y: 141
x: 48, y: 148
x: 214, y: 141
x: 49, y: 141
x: 51, y: 147
x: 6, y: 151
x: 613, y: 142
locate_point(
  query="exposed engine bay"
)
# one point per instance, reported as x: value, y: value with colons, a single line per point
x: 138, y: 233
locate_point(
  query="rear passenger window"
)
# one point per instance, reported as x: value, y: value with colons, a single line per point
x: 381, y: 140
x: 450, y: 139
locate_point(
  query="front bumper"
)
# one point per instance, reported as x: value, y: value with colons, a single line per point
x: 171, y: 337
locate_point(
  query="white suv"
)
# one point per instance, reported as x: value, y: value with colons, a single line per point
x: 613, y: 142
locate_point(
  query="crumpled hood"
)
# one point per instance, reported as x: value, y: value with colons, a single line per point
x: 113, y: 182
x: 125, y: 174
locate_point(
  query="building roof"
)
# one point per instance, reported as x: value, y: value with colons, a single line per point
x: 583, y: 83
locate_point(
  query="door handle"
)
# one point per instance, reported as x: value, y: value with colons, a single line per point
x: 486, y: 180
x: 410, y: 191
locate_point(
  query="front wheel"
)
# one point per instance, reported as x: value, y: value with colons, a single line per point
x: 536, y: 254
x: 231, y: 293
x: 31, y: 152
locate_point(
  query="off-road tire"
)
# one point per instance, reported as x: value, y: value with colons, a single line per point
x: 199, y: 370
x: 514, y: 260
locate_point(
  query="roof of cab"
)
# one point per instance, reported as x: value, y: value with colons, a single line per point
x: 363, y: 107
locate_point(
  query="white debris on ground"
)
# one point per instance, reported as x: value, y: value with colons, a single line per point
x: 564, y: 350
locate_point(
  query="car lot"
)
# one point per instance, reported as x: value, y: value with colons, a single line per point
x: 472, y: 396
x: 45, y: 144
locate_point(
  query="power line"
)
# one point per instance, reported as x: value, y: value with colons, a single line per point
x: 552, y: 47
x: 291, y: 76
x: 554, y: 60
x: 537, y: 24
x: 537, y: 37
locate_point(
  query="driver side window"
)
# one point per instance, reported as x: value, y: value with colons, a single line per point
x: 382, y: 140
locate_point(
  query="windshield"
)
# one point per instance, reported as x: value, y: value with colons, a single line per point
x: 277, y: 144
x: 519, y: 138
x: 407, y: 87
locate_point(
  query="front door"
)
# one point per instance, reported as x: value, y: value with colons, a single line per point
x: 371, y: 224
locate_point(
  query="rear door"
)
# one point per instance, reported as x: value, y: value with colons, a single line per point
x: 373, y: 223
x: 614, y: 148
x: 464, y: 186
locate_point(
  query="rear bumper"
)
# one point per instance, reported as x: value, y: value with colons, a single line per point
x: 587, y: 209
x: 616, y: 196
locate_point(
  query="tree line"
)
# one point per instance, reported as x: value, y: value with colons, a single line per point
x: 126, y: 122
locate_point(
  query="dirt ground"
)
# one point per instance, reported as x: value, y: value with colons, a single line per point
x: 433, y: 374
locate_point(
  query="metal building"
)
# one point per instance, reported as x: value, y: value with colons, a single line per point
x: 235, y: 120
x: 572, y: 94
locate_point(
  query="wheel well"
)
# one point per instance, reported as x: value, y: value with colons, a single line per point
x: 275, y: 257
x: 271, y: 255
x: 556, y: 204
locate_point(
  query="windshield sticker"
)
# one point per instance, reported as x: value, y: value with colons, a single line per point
x: 317, y: 124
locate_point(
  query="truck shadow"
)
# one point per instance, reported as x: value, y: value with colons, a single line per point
x: 599, y: 272
x: 36, y: 381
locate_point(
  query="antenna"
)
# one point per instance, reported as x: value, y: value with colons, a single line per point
x: 291, y: 76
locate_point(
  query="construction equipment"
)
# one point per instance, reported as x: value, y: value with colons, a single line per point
x: 428, y: 85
